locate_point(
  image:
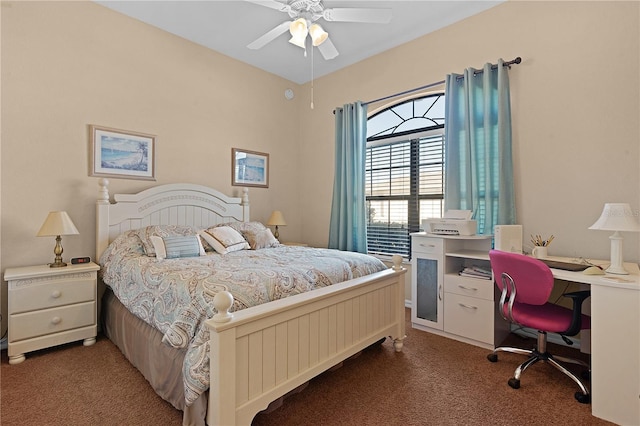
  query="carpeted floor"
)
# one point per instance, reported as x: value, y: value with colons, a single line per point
x: 434, y: 381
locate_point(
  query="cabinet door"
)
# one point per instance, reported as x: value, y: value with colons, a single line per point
x: 427, y: 292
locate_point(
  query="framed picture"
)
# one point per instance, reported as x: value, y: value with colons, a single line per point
x: 249, y: 168
x: 121, y: 153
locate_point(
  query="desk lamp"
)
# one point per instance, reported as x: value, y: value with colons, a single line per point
x: 616, y: 217
x: 55, y: 225
x: 276, y: 219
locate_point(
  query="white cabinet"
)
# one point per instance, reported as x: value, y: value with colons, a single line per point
x: 447, y: 303
x: 427, y: 290
x: 50, y: 306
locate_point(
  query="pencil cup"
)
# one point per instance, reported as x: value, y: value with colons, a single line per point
x: 540, y: 252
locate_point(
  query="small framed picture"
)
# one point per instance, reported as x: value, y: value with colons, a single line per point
x: 121, y: 153
x: 249, y: 168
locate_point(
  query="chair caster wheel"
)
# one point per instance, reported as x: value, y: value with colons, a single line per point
x: 582, y: 398
x: 492, y: 357
x: 515, y: 383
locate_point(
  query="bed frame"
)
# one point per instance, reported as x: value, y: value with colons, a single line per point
x: 261, y: 353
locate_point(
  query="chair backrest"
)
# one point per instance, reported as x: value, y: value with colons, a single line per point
x: 533, y: 279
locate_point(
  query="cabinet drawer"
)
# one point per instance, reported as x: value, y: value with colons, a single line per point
x: 465, y: 286
x: 427, y: 245
x: 48, y: 321
x: 51, y: 294
x: 469, y: 317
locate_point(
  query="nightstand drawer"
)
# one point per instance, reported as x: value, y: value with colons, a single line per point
x: 52, y: 293
x: 54, y: 320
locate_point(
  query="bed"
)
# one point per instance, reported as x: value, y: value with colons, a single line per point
x: 254, y: 348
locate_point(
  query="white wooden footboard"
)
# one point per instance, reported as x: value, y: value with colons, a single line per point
x: 263, y: 352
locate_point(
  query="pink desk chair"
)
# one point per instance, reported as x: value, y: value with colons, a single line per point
x: 526, y: 284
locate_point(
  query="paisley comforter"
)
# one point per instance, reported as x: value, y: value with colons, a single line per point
x: 176, y: 295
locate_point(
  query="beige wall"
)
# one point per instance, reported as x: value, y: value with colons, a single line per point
x: 575, y: 104
x: 66, y: 65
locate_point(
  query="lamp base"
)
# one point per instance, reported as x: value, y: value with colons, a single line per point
x: 618, y: 271
x: 57, y: 250
x: 616, y: 266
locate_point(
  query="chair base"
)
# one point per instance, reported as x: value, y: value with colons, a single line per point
x: 540, y: 354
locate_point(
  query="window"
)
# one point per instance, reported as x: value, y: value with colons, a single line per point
x: 404, y: 172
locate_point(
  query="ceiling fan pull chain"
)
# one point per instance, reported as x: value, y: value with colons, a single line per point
x: 311, y: 77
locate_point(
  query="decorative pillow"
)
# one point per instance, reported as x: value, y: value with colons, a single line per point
x: 177, y: 246
x: 263, y: 239
x: 161, y: 231
x: 224, y: 239
x: 257, y: 235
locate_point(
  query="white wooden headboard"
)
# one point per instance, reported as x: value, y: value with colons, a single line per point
x: 172, y: 204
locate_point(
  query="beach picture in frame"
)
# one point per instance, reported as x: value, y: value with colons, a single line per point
x: 121, y: 153
x: 249, y: 168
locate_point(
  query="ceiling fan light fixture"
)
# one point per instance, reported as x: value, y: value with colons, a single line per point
x: 318, y: 35
x: 299, y: 31
x: 300, y: 42
x: 298, y: 28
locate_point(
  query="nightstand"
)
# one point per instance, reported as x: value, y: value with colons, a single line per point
x: 50, y: 306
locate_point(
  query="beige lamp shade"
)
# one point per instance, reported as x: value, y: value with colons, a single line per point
x: 276, y: 219
x: 55, y: 225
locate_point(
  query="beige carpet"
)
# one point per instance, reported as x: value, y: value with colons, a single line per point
x: 434, y: 381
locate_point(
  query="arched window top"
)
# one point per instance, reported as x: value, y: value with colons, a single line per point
x: 411, y: 116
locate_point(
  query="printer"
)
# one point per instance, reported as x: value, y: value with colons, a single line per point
x: 454, y: 222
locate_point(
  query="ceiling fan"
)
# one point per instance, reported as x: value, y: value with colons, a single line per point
x: 305, y: 13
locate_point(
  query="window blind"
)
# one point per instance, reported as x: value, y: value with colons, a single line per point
x: 404, y: 184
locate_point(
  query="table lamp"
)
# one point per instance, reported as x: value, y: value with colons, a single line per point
x: 616, y: 217
x: 55, y: 225
x: 276, y: 219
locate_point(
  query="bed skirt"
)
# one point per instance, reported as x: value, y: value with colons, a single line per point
x: 160, y: 364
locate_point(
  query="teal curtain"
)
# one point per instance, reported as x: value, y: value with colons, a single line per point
x: 478, y: 160
x: 348, y: 226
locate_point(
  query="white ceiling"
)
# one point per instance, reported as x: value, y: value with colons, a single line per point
x: 229, y: 26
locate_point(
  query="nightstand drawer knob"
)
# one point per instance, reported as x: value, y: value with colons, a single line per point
x: 55, y: 294
x: 56, y: 320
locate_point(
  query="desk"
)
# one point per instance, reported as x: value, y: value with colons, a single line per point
x: 615, y: 342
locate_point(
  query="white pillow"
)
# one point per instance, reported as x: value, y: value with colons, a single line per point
x: 224, y: 239
x: 177, y: 246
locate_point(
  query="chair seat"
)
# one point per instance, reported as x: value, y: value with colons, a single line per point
x: 548, y: 317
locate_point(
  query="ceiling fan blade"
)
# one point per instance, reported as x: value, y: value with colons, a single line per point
x: 348, y: 14
x: 328, y: 50
x: 272, y: 4
x: 269, y: 36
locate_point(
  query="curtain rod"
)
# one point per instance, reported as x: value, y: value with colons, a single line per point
x: 438, y: 83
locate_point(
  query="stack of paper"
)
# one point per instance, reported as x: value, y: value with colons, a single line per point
x: 476, y: 272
